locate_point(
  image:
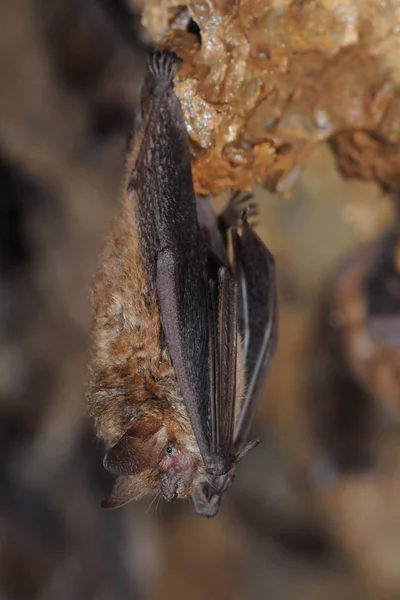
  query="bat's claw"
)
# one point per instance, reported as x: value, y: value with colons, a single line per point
x: 232, y: 213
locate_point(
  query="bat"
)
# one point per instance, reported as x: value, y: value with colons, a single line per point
x: 184, y: 319
x: 382, y: 287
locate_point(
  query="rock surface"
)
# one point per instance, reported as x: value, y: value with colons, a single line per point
x: 263, y: 82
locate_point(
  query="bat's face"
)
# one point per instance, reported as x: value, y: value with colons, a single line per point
x: 151, y: 459
x: 178, y: 470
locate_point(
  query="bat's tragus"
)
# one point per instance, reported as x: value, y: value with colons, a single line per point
x: 182, y: 334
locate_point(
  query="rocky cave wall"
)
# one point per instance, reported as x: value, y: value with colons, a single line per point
x: 263, y: 82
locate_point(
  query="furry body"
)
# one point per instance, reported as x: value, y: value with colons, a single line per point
x: 169, y: 393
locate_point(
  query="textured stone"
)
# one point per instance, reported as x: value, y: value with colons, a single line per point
x: 271, y: 79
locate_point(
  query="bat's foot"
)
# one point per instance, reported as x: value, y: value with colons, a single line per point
x: 206, y: 507
x: 207, y: 496
x: 238, y: 205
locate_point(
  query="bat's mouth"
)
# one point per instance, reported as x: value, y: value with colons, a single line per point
x: 172, y: 490
x: 168, y: 495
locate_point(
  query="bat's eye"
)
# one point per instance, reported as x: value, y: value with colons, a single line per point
x: 169, y: 449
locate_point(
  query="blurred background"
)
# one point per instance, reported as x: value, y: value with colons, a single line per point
x: 315, y: 510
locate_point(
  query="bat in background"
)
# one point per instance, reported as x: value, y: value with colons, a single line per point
x: 185, y: 320
x: 382, y: 287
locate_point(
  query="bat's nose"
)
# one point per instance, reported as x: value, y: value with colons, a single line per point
x: 169, y: 489
x: 169, y: 496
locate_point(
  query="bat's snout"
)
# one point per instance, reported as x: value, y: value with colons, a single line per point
x: 168, y: 487
x: 169, y: 496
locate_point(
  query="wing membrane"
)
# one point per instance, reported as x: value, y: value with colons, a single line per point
x: 258, y: 304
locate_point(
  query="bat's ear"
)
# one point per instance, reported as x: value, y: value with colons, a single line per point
x: 125, y: 489
x: 137, y: 451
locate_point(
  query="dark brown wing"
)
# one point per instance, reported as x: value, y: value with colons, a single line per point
x: 258, y: 320
x: 189, y: 322
x: 254, y: 273
x: 222, y: 319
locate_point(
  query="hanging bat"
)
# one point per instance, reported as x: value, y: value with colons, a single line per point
x: 382, y: 286
x: 185, y: 320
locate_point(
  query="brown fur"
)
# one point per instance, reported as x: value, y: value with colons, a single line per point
x: 131, y: 377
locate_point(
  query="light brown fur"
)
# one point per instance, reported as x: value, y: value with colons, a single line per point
x: 131, y: 376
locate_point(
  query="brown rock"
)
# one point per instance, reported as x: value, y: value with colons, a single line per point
x: 287, y: 75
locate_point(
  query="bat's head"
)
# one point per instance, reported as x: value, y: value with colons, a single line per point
x: 152, y: 458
